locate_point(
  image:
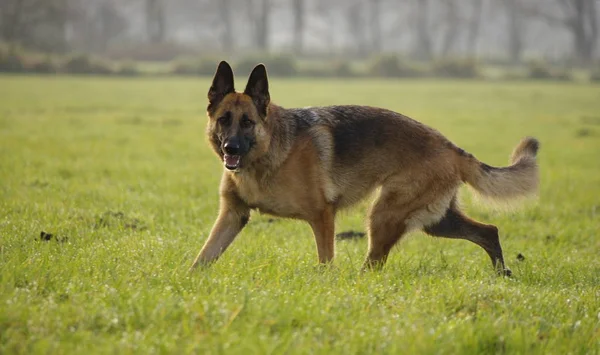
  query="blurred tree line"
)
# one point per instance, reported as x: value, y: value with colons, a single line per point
x: 424, y: 30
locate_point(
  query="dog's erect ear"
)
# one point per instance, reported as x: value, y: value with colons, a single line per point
x: 222, y: 84
x: 258, y: 89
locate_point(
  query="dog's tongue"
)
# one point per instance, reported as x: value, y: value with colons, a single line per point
x: 232, y: 161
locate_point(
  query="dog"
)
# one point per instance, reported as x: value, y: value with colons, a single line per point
x: 310, y: 163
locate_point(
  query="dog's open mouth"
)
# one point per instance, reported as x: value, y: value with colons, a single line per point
x: 232, y: 162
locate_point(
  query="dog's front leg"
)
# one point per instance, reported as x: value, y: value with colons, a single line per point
x: 323, y: 226
x: 233, y: 216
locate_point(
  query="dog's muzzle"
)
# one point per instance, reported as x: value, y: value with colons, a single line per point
x: 232, y: 156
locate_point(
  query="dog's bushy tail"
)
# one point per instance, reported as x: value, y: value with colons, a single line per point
x: 518, y: 180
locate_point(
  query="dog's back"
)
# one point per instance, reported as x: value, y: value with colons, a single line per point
x: 364, y: 146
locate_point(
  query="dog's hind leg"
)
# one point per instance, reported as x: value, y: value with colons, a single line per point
x: 386, y: 227
x: 323, y: 226
x: 456, y: 225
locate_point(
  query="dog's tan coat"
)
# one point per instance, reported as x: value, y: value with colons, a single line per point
x: 309, y: 163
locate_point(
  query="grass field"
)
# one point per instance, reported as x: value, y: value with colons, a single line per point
x: 118, y: 171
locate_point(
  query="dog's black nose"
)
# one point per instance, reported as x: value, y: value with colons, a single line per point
x: 232, y: 148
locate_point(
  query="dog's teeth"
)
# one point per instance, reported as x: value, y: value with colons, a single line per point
x: 231, y: 161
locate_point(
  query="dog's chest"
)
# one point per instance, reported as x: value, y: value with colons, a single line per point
x: 268, y: 197
x: 249, y: 190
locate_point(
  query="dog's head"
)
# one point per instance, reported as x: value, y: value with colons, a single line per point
x: 237, y: 128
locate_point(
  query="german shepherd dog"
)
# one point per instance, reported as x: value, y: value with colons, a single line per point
x: 309, y: 163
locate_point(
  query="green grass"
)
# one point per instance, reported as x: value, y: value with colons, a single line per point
x: 119, y: 172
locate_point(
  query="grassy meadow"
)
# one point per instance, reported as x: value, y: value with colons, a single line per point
x: 118, y: 171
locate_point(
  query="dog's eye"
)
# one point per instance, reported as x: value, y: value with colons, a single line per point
x: 225, y: 120
x: 246, y: 122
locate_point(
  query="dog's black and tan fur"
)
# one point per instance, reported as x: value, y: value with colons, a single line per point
x: 309, y: 163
